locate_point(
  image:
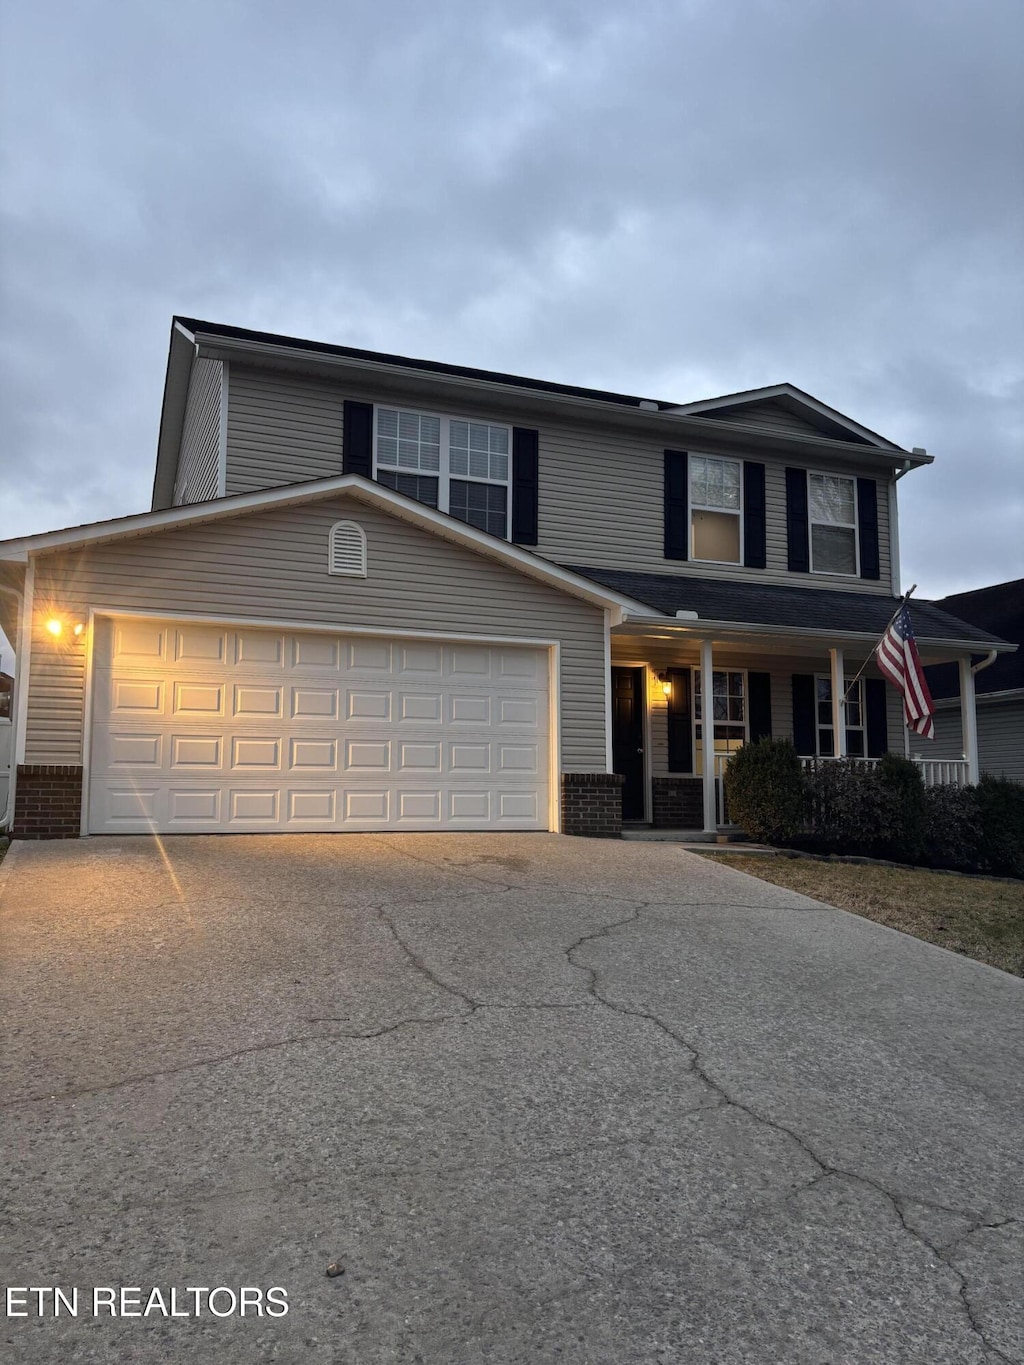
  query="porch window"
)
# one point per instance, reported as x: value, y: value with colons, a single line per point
x: 716, y: 509
x: 832, y: 506
x: 729, y: 710
x: 855, y: 736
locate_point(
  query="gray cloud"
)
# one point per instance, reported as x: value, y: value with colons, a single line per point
x: 678, y: 199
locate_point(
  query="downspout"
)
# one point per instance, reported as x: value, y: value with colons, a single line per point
x: 7, y: 814
x: 989, y: 658
x: 894, y: 529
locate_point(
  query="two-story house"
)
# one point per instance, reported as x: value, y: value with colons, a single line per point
x: 376, y: 593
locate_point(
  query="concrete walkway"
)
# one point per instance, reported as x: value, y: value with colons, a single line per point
x: 543, y: 1099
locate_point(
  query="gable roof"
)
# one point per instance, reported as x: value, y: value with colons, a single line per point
x: 1000, y: 609
x: 823, y: 433
x: 777, y: 605
x: 774, y: 402
x: 354, y: 485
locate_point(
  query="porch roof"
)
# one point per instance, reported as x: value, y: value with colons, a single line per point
x: 780, y: 605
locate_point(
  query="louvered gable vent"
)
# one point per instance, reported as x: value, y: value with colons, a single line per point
x: 347, y: 553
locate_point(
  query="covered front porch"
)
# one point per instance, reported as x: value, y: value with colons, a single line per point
x: 820, y: 689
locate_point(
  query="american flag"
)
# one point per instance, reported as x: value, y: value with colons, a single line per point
x: 900, y: 662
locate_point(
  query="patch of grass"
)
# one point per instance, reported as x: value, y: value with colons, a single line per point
x: 977, y: 916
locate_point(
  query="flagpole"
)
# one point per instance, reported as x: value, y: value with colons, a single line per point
x: 902, y: 603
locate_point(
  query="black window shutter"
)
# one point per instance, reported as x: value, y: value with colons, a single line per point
x: 867, y: 519
x: 804, y: 727
x: 759, y: 701
x: 796, y: 522
x: 357, y: 438
x: 754, y: 537
x: 677, y: 504
x: 525, y: 485
x: 680, y: 735
x: 876, y: 717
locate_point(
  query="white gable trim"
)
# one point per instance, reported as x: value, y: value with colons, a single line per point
x: 362, y: 490
x: 805, y: 400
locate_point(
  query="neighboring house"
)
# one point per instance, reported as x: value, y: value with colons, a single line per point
x: 382, y: 593
x: 999, y: 684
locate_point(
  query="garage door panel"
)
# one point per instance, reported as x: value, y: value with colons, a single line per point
x: 205, y: 729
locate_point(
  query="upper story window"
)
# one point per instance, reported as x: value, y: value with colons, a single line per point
x: 716, y: 509
x: 456, y: 465
x: 832, y: 508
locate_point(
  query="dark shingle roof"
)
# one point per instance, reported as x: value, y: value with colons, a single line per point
x: 771, y: 604
x: 1000, y: 609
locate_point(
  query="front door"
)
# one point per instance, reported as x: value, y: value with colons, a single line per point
x: 628, y: 738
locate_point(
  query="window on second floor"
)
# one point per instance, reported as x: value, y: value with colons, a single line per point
x: 855, y: 739
x: 716, y: 503
x: 458, y: 466
x: 832, y: 508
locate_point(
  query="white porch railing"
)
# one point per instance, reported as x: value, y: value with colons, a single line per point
x: 935, y: 772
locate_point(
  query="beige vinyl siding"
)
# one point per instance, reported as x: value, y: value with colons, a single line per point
x: 602, y: 505
x: 601, y: 490
x: 272, y: 565
x: 282, y: 428
x: 199, y: 459
x: 1000, y: 737
x: 767, y: 414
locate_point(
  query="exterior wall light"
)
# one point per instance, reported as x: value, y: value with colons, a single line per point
x: 55, y: 627
x: 666, y: 684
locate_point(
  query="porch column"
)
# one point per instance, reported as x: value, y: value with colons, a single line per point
x: 969, y: 720
x: 707, y: 738
x: 838, y: 705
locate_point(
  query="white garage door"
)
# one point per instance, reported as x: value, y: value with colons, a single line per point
x: 202, y: 728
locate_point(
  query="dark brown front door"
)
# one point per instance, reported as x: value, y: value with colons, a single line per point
x: 628, y: 738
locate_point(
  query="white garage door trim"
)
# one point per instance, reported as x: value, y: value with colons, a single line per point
x: 552, y: 647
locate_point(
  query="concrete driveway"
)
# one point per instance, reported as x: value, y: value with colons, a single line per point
x: 543, y: 1099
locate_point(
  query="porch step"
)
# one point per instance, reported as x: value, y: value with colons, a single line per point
x: 649, y: 834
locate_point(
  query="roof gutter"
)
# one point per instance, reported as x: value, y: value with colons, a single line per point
x: 671, y: 425
x: 701, y: 628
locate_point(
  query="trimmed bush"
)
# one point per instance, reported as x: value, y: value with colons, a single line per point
x: 849, y: 809
x: 765, y: 791
x: 903, y: 833
x: 1001, y: 809
x: 952, y: 828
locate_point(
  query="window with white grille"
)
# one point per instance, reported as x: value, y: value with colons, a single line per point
x: 459, y: 466
x: 716, y: 500
x: 347, y: 552
x: 832, y: 504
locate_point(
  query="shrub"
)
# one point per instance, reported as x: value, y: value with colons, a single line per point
x: 952, y: 828
x: 765, y: 791
x: 1001, y: 810
x: 903, y: 832
x: 848, y: 808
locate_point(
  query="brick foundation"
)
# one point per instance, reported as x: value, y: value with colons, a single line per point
x: 678, y: 802
x: 592, y: 805
x: 48, y: 802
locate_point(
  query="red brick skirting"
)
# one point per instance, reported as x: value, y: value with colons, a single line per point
x: 592, y: 805
x: 48, y: 801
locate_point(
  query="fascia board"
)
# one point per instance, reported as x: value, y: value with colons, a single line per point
x: 742, y: 630
x: 665, y: 425
x: 180, y: 356
x: 373, y: 494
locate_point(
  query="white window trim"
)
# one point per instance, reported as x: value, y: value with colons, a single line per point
x: 694, y: 722
x: 360, y: 570
x: 862, y: 727
x: 843, y: 525
x: 726, y: 511
x: 443, y: 474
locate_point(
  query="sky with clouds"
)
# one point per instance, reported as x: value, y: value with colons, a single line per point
x: 670, y: 199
